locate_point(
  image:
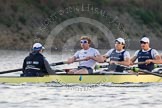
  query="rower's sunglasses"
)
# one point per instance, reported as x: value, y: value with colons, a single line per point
x: 83, y: 41
x: 143, y: 42
x: 117, y: 42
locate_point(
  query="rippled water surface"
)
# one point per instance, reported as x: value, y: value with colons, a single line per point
x: 52, y: 95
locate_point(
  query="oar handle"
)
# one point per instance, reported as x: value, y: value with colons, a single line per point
x: 139, y: 63
x: 66, y: 62
x: 58, y: 63
x: 78, y: 60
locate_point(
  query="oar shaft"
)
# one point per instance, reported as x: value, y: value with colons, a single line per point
x: 58, y: 63
x: 139, y: 63
x: 148, y: 72
x: 78, y: 60
x: 9, y: 71
x: 66, y: 62
x: 53, y: 64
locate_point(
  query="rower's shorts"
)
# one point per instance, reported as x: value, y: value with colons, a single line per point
x: 90, y: 70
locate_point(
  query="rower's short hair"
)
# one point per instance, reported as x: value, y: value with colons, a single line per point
x: 86, y: 38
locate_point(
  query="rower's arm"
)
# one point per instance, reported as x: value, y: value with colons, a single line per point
x: 126, y: 62
x: 48, y: 68
x: 132, y: 60
x: 71, y: 60
x: 157, y: 60
x: 98, y: 58
x: 158, y: 57
x: 105, y: 57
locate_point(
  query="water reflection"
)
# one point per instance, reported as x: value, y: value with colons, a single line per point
x: 51, y: 95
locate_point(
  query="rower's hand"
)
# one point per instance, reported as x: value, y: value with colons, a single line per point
x: 148, y: 61
x: 69, y: 61
x: 88, y: 58
x: 131, y: 63
x: 113, y: 62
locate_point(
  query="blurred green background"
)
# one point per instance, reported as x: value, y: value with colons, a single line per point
x: 23, y: 22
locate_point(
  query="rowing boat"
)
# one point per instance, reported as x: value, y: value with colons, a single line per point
x: 88, y: 79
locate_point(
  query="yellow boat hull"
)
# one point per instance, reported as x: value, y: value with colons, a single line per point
x: 92, y: 79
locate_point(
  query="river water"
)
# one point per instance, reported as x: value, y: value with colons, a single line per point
x: 51, y: 95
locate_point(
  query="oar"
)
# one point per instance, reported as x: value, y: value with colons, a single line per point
x: 106, y: 66
x: 66, y: 62
x: 52, y: 64
x: 148, y: 72
x: 10, y: 71
x: 139, y: 63
x: 135, y: 69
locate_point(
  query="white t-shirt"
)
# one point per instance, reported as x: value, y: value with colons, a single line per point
x: 126, y: 53
x: 154, y: 52
x: 85, y: 53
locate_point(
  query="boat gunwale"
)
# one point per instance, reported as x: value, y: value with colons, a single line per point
x: 115, y: 74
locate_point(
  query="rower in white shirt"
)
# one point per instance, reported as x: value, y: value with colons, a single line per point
x: 91, y: 56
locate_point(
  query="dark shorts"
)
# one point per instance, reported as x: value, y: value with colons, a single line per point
x: 90, y: 70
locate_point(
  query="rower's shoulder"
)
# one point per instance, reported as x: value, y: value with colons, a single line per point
x: 137, y: 51
x: 126, y: 51
x: 93, y: 49
x: 153, y: 50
